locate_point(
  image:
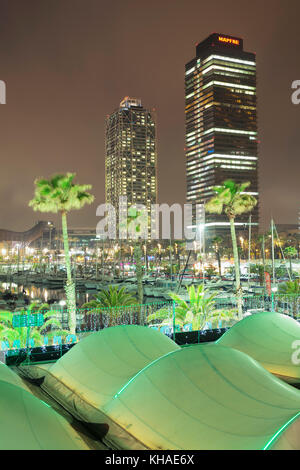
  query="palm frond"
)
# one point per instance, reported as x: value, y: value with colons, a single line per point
x: 60, y: 194
x: 161, y: 314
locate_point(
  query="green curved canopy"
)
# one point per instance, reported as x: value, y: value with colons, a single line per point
x: 100, y: 364
x: 207, y: 397
x: 155, y: 395
x: 7, y: 375
x: 27, y: 423
x: 268, y: 337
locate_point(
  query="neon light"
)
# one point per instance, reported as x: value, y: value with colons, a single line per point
x: 142, y: 370
x: 280, y: 431
x: 235, y: 42
x: 46, y: 404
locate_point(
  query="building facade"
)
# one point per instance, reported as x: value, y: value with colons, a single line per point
x: 131, y: 156
x: 221, y: 124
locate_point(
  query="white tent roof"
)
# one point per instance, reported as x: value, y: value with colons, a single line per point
x: 7, y: 375
x: 155, y: 395
x: 100, y: 364
x: 207, y: 397
x: 27, y: 423
x: 268, y: 337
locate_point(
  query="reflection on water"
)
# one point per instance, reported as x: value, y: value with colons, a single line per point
x: 49, y: 295
x: 45, y: 294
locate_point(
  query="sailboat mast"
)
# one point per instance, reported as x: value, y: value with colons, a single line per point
x: 249, y: 250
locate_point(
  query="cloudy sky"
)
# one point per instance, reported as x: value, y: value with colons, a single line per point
x: 68, y: 63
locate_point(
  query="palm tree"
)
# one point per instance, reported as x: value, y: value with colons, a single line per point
x: 139, y: 271
x: 232, y: 199
x: 260, y: 270
x: 290, y: 252
x: 294, y: 240
x: 60, y: 195
x: 134, y: 230
x: 10, y: 334
x: 197, y: 311
x: 111, y: 299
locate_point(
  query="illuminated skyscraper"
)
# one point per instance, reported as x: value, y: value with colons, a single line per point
x: 221, y: 123
x: 131, y: 155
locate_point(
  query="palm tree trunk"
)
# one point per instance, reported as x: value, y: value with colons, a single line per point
x: 70, y: 286
x: 237, y: 268
x: 139, y: 275
x: 219, y: 262
x: 146, y: 259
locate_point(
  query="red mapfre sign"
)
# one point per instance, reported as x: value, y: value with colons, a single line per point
x: 235, y: 42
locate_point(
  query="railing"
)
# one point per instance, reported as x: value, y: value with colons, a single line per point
x: 24, y: 335
x: 287, y: 304
x: 29, y: 338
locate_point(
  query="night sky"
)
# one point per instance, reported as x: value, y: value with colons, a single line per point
x: 68, y: 63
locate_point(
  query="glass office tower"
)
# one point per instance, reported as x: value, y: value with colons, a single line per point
x: 221, y: 124
x: 131, y: 155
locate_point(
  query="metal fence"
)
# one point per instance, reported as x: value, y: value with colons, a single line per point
x: 280, y: 303
x: 29, y: 334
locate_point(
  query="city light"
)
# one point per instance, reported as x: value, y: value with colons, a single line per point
x: 151, y: 300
